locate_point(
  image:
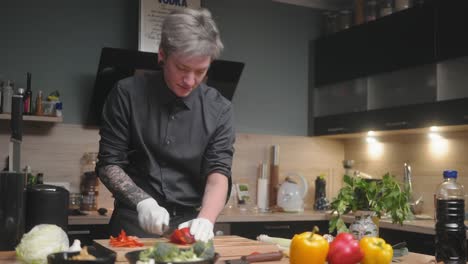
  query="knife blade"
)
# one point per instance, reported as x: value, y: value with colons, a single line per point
x: 167, y: 231
x: 261, y: 257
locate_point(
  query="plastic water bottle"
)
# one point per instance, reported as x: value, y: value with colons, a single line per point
x: 450, y: 239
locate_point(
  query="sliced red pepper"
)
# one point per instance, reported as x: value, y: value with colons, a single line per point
x: 125, y: 241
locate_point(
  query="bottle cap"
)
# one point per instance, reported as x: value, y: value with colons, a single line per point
x: 450, y: 174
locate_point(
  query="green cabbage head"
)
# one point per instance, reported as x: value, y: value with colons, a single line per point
x: 42, y: 240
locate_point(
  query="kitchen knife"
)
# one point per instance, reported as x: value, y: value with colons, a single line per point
x: 167, y: 231
x: 261, y: 257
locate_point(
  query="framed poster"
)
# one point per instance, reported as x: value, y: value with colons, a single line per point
x: 152, y: 13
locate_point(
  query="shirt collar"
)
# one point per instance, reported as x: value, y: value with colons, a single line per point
x: 167, y: 97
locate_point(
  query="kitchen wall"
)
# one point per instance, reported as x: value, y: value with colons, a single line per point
x: 60, y: 43
x: 428, y: 159
x: 57, y: 150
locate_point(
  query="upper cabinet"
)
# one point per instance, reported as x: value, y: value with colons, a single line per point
x: 403, y: 39
x: 451, y: 27
x: 405, y: 70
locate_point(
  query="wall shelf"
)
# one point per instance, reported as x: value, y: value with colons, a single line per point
x: 50, y: 119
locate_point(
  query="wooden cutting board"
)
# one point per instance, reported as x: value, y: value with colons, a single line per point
x: 229, y: 247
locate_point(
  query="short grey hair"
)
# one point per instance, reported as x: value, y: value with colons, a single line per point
x: 191, y: 32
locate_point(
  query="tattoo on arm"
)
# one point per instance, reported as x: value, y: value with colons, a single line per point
x: 121, y: 185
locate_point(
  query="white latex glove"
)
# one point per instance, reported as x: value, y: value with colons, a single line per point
x: 152, y: 217
x: 200, y: 228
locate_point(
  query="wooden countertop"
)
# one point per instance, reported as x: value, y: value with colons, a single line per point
x: 232, y: 247
x: 93, y: 218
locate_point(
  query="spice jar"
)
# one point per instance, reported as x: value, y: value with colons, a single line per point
x: 329, y: 22
x: 89, y: 182
x: 345, y: 19
x: 359, y: 16
x: 401, y: 4
x: 386, y: 7
x: 371, y: 10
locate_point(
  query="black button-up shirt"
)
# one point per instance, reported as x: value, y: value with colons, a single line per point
x: 166, y: 144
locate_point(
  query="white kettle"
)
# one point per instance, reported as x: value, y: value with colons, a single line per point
x: 291, y: 194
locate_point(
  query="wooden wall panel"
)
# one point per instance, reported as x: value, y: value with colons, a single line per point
x: 57, y: 150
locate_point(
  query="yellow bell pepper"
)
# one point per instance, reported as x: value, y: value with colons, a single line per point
x: 308, y: 248
x: 376, y: 251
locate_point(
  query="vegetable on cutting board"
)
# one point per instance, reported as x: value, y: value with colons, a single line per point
x: 125, y: 241
x: 308, y: 248
x: 344, y: 249
x: 167, y: 252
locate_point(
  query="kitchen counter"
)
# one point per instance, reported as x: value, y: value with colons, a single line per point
x: 93, y: 218
x: 233, y: 249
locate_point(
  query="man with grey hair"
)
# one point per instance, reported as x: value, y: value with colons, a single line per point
x: 167, y: 138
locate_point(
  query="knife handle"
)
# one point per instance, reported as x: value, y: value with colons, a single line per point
x: 270, y: 256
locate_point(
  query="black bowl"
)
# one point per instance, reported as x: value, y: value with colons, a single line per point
x: 102, y: 254
x: 133, y: 257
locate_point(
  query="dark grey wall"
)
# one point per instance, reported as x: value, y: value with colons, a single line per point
x: 60, y: 43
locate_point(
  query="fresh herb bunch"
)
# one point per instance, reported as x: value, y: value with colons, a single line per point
x: 384, y: 196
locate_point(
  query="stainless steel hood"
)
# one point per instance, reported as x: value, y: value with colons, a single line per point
x: 320, y: 4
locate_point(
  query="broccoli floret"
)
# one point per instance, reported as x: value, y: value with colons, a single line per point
x: 186, y: 255
x: 165, y: 252
x: 146, y: 254
x: 204, y: 250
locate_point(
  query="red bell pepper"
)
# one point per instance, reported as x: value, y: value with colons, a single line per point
x: 182, y: 236
x: 344, y: 249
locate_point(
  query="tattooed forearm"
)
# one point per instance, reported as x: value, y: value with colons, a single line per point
x: 121, y: 185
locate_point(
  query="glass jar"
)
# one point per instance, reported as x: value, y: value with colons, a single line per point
x: 75, y: 201
x: 371, y: 10
x: 329, y: 22
x: 386, y: 7
x: 401, y: 4
x: 345, y: 19
x: 359, y: 16
x: 363, y: 225
x: 89, y: 182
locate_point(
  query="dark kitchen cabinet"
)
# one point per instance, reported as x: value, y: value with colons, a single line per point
x: 87, y: 233
x: 451, y: 28
x: 286, y: 229
x: 402, y: 71
x: 403, y: 39
x: 416, y: 242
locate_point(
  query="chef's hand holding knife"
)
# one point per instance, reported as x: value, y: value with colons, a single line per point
x: 200, y: 228
x: 152, y: 217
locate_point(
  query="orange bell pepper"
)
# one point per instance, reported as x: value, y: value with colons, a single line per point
x: 308, y: 248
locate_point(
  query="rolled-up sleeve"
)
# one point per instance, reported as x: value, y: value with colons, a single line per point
x: 114, y: 132
x: 220, y: 150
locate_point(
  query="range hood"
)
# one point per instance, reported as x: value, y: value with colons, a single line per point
x: 116, y: 64
x: 320, y: 4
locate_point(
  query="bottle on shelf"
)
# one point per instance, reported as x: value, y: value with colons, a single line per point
x: 39, y: 110
x: 7, y: 95
x: 450, y: 238
x: 359, y: 16
x: 27, y: 98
